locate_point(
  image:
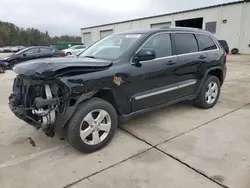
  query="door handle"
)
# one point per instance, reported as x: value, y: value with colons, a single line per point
x: 202, y: 57
x: 171, y: 62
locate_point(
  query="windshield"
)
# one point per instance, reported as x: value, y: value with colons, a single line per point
x: 21, y: 51
x: 111, y: 47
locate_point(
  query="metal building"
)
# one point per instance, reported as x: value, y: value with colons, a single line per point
x: 229, y: 21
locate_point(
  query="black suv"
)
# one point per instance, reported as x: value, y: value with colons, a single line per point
x: 118, y: 77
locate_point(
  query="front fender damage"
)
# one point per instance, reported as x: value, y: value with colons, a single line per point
x: 63, y: 119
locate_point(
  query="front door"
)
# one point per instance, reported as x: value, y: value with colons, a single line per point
x: 30, y: 54
x: 45, y: 52
x: 157, y: 84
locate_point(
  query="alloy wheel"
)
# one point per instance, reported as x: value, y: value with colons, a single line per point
x: 211, y: 92
x: 95, y: 127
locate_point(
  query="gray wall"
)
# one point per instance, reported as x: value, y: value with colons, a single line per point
x: 236, y: 30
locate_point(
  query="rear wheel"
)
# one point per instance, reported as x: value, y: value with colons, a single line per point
x: 92, y: 125
x: 68, y: 53
x: 209, y: 94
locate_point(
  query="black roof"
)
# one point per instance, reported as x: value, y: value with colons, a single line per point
x: 213, y: 6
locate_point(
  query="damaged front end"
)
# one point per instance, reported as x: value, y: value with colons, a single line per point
x: 37, y: 102
x: 46, y: 92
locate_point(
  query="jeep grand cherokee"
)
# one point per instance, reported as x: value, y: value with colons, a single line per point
x: 120, y: 76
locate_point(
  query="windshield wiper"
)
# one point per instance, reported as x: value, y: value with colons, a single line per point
x: 89, y: 56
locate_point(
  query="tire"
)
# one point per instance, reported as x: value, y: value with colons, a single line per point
x: 79, y: 125
x: 205, y: 94
x: 13, y: 63
x: 235, y: 51
x: 68, y: 53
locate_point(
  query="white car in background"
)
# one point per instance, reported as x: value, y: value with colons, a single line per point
x: 73, y: 50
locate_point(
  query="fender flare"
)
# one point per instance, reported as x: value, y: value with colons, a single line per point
x: 206, y: 75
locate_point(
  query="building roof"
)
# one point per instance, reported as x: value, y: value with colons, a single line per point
x: 213, y: 6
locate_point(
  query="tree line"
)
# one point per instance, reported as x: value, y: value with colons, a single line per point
x: 11, y: 35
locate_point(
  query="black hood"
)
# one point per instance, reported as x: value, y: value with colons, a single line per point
x: 51, y: 66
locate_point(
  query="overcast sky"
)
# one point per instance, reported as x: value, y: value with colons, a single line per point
x: 68, y: 16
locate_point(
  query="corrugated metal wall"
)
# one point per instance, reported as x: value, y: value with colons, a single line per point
x: 232, y: 24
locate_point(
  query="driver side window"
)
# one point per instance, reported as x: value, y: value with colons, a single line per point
x: 161, y: 44
x: 31, y: 51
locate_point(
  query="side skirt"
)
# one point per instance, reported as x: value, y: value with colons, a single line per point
x: 123, y: 118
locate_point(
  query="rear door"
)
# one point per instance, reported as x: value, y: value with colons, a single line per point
x: 46, y: 52
x: 191, y: 61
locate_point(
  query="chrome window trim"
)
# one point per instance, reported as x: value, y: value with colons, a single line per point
x: 198, y: 52
x: 173, y: 32
x: 165, y: 90
x: 183, y: 32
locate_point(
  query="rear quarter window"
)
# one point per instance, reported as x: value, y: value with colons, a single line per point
x: 205, y: 42
x: 46, y: 50
x: 185, y: 43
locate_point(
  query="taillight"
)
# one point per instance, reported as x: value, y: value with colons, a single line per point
x: 62, y: 53
x: 225, y: 54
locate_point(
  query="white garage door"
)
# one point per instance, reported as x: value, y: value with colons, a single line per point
x: 105, y: 33
x: 87, y: 39
x: 160, y: 25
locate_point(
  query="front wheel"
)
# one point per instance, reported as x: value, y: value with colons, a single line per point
x: 13, y: 63
x: 92, y: 126
x: 209, y: 93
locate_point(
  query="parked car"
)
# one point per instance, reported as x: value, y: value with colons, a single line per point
x: 73, y: 50
x: 32, y: 53
x: 86, y: 97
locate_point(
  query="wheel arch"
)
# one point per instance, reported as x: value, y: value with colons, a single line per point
x: 218, y: 73
x: 215, y: 71
x: 106, y: 94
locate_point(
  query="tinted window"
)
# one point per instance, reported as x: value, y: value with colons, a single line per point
x: 46, y: 50
x: 161, y: 43
x: 185, y: 43
x: 205, y: 43
x: 31, y: 51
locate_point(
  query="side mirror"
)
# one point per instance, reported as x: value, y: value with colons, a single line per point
x: 144, y: 55
x: 24, y: 54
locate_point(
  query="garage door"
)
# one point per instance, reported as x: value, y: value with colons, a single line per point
x: 160, y: 25
x: 87, y: 39
x: 246, y: 34
x: 105, y: 33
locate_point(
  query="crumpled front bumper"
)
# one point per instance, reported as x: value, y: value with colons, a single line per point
x: 19, y: 109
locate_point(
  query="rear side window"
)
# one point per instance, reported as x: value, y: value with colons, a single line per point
x: 161, y: 44
x: 46, y: 50
x: 205, y: 43
x: 185, y: 43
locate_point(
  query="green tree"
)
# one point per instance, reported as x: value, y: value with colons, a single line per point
x: 11, y: 35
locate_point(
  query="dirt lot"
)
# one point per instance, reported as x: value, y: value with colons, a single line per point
x: 178, y: 146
